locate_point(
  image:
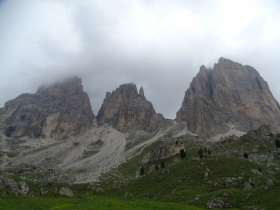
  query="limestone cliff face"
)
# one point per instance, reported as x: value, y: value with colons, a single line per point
x: 127, y: 110
x: 229, y: 96
x: 58, y: 112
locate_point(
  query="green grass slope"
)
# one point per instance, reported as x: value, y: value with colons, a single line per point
x: 87, y: 202
x: 185, y: 183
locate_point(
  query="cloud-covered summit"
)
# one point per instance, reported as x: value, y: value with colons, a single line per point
x: 159, y: 45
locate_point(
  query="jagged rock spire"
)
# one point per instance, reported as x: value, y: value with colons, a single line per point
x: 141, y: 93
x: 127, y: 110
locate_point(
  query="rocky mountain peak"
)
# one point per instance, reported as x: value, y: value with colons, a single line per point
x: 70, y: 86
x: 202, y: 71
x: 229, y: 95
x: 141, y: 93
x: 129, y: 90
x: 127, y: 110
x: 221, y: 60
x: 58, y: 111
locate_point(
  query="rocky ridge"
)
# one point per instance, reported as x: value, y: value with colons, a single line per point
x: 126, y: 109
x: 58, y: 112
x: 229, y: 96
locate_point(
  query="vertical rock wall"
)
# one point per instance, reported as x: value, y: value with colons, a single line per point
x: 229, y: 96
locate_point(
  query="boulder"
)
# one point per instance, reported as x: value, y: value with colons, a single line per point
x: 256, y: 172
x: 215, y: 203
x: 247, y: 186
x: 261, y: 132
x: 269, y: 181
x: 43, y: 192
x: 152, y: 168
x: 225, y: 193
x: 66, y: 191
x: 23, y: 188
x: 128, y: 196
x: 99, y: 190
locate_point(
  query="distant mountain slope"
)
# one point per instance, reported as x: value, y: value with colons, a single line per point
x: 229, y: 96
x: 58, y: 112
x: 127, y: 110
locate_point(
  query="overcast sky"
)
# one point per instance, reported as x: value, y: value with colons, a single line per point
x: 157, y: 44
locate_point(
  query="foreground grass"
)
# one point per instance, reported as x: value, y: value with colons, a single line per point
x: 87, y: 202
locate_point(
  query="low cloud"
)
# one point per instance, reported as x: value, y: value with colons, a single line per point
x: 159, y: 45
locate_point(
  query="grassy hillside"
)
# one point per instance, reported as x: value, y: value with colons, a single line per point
x: 241, y: 183
x: 234, y: 181
x: 185, y: 183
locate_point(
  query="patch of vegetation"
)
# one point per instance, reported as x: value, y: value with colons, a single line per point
x: 132, y: 165
x: 277, y: 143
x: 142, y: 171
x: 43, y: 148
x: 81, y: 170
x: 12, y: 154
x: 89, y: 153
x: 200, y: 152
x: 182, y: 154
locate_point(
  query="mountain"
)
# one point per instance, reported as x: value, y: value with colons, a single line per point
x: 126, y: 109
x: 58, y: 112
x: 171, y: 165
x: 231, y: 96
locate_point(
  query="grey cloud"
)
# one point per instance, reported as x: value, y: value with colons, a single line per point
x: 108, y: 44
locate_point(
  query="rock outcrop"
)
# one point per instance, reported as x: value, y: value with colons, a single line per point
x: 127, y: 110
x: 66, y: 191
x: 165, y: 151
x: 13, y: 186
x: 231, y: 96
x: 58, y: 112
x: 261, y: 132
